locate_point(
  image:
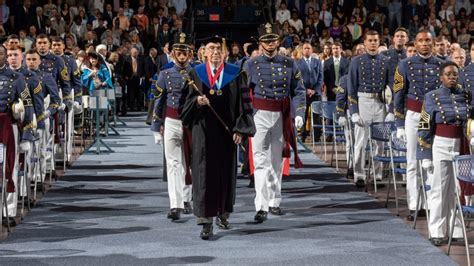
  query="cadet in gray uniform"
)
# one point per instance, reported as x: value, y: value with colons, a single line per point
x: 278, y: 94
x: 14, y: 92
x: 367, y: 79
x: 414, y: 77
x: 51, y: 103
x: 444, y: 115
x: 166, y: 121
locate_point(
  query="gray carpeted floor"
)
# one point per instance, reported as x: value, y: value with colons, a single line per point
x: 110, y: 209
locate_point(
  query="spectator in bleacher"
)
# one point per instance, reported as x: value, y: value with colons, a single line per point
x: 313, y: 4
x: 65, y: 13
x: 318, y: 24
x: 179, y: 5
x: 394, y: 14
x: 32, y: 33
x: 309, y: 12
x: 354, y: 28
x: 282, y: 14
x: 124, y: 20
x: 127, y: 11
x: 372, y: 24
x: 335, y: 31
x: 325, y: 15
x: 414, y: 26
x: 340, y: 16
x: 48, y: 7
x: 177, y: 28
x: 325, y: 38
x: 58, y: 23
x: 108, y: 14
x: 335, y: 67
x: 136, y: 43
x: 346, y: 39
x: 23, y: 15
x: 97, y: 4
x: 463, y: 4
x: 464, y: 38
x: 135, y: 97
x: 307, y: 36
x: 38, y: 20
x: 48, y: 30
x: 295, y: 21
x: 327, y: 52
x: 360, y: 11
x: 142, y: 19
x: 411, y: 11
x: 89, y: 39
x: 84, y: 19
x: 25, y: 43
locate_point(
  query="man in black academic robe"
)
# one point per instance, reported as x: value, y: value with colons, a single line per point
x: 214, y: 160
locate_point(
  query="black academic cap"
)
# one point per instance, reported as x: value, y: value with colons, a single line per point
x: 217, y: 39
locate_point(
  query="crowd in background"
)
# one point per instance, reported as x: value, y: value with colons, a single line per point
x: 137, y: 34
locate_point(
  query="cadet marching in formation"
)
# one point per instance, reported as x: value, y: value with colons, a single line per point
x: 418, y: 92
x: 205, y: 111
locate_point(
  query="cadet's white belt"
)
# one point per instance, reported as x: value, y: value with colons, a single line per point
x: 369, y: 95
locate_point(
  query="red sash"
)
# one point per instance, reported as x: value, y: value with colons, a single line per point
x: 8, y: 140
x: 212, y: 80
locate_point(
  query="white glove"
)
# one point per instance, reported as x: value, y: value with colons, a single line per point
x: 46, y: 114
x: 158, y: 138
x: 356, y: 119
x: 390, y: 117
x: 69, y: 104
x: 62, y: 107
x: 427, y: 164
x: 298, y: 122
x: 77, y: 108
x: 342, y: 121
x: 25, y: 146
x: 18, y: 110
x: 401, y: 135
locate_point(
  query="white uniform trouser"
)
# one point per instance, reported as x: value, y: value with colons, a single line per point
x: 413, y: 172
x: 347, y: 135
x: 178, y: 191
x: 370, y: 110
x: 441, y: 199
x: 12, y: 198
x: 49, y: 160
x: 267, y: 146
x: 69, y: 133
x: 46, y: 144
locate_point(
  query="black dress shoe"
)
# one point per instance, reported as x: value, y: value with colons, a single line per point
x: 276, y: 211
x: 206, y: 231
x: 10, y: 221
x: 411, y: 216
x: 422, y: 213
x: 260, y: 216
x: 174, y: 214
x: 350, y: 174
x: 251, y: 183
x: 437, y: 241
x: 360, y: 183
x: 188, y: 209
x: 222, y: 223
